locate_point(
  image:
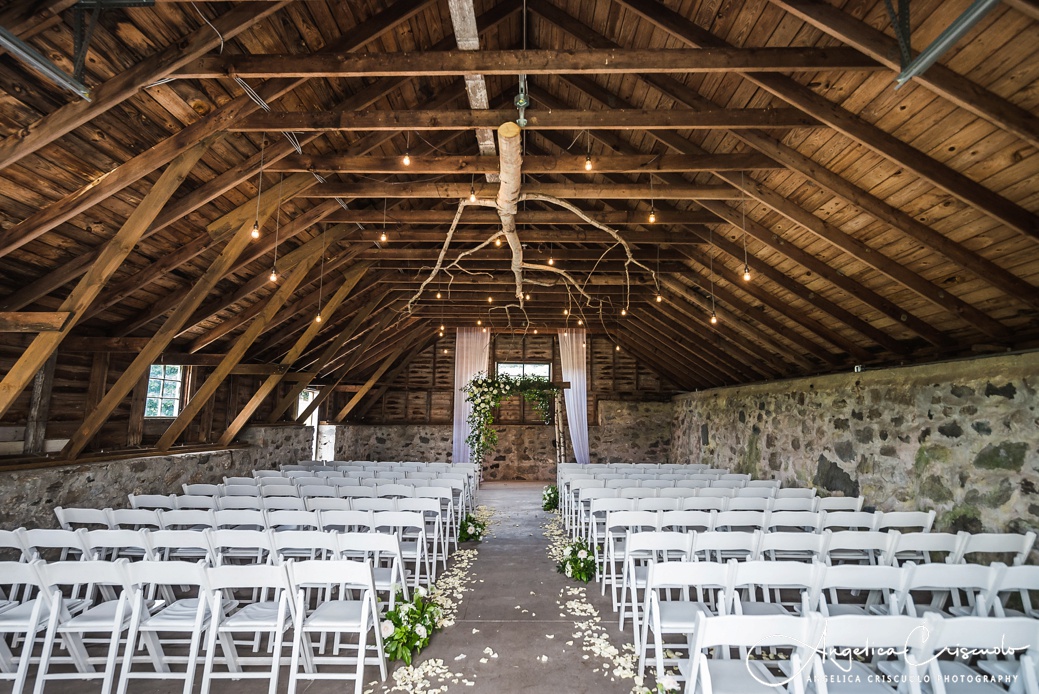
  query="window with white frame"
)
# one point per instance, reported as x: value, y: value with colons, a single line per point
x: 524, y: 369
x: 165, y: 382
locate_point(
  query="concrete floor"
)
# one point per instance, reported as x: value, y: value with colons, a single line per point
x: 512, y: 602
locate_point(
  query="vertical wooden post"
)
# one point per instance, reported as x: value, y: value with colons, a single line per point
x: 135, y: 427
x: 98, y: 384
x: 39, y: 408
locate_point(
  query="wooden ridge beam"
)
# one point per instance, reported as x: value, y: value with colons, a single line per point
x: 585, y: 191
x: 90, y: 285
x: 272, y: 382
x: 651, y: 236
x: 614, y: 119
x: 571, y: 164
x: 529, y: 62
x: 161, y: 339
x: 128, y: 82
x: 33, y: 321
x: 880, y: 141
x: 486, y: 216
x: 938, y: 78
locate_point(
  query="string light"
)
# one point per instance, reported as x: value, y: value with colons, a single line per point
x: 274, y: 275
x: 535, y: 331
x: 551, y: 261
x: 624, y: 311
x: 652, y: 214
x: 746, y: 264
x: 616, y: 348
x: 472, y: 189
x: 321, y: 280
x: 479, y: 322
x: 277, y: 230
x: 588, y: 162
x: 714, y: 315
x: 528, y: 297
x: 659, y: 298
x: 406, y: 160
x: 383, y: 238
x: 438, y: 295
x: 580, y: 322
x: 259, y: 190
x: 714, y: 318
x: 652, y: 203
x: 497, y: 242
x: 566, y: 312
x: 588, y: 152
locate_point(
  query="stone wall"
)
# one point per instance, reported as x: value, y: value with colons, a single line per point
x: 28, y: 497
x: 626, y: 432
x: 959, y: 437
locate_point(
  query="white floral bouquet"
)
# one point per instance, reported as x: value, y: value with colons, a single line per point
x: 550, y: 498
x: 406, y: 630
x: 471, y: 529
x: 578, y: 562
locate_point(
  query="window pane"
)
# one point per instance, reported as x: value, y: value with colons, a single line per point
x: 170, y: 388
x: 168, y: 408
x: 173, y: 372
x: 507, y: 369
x: 155, y: 387
x: 151, y: 407
x: 542, y: 370
x: 156, y: 371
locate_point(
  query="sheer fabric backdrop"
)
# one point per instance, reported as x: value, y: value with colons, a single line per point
x: 573, y: 355
x: 472, y: 347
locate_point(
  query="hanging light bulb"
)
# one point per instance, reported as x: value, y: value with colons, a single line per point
x: 406, y: 159
x: 624, y: 311
x: 616, y: 348
x: 441, y: 329
x: 746, y: 273
x: 535, y: 331
x: 383, y: 237
x: 588, y: 162
x: 485, y: 329
x: 659, y: 298
x: 317, y: 318
x: 551, y: 261
x: 527, y: 297
x: 714, y: 318
x: 256, y: 229
x: 652, y: 216
x: 274, y: 274
x: 445, y: 350
x: 259, y: 190
x: 490, y: 300
x: 580, y: 322
x: 566, y: 312
x: 497, y: 242
x: 472, y: 194
x: 441, y: 333
x: 479, y: 322
x: 438, y: 295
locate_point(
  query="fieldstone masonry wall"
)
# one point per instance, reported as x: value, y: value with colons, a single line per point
x: 960, y: 437
x: 28, y: 497
x: 626, y: 432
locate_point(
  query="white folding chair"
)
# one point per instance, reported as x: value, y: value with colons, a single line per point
x: 409, y: 527
x: 615, y: 531
x: 235, y: 546
x: 51, y: 543
x: 239, y: 503
x: 672, y: 608
x: 376, y: 504
x: 335, y: 616
x: 640, y: 551
x: 279, y: 521
x: 716, y: 492
x: 849, y: 520
x: 200, y: 489
x: 431, y: 512
x: 838, y: 503
x: 835, y: 668
x: 903, y: 521
x: 25, y: 619
x: 964, y: 585
x: 235, y: 490
x: 795, y: 493
x: 1018, y: 582
x: 794, y: 504
x: 1016, y: 545
x: 840, y: 590
x: 180, y: 545
x: 382, y: 551
x: 107, y: 614
x: 188, y: 615
x: 87, y: 518
x: 313, y: 491
x: 151, y: 501
x: 239, y: 519
x: 240, y: 481
x: 353, y: 491
x: 793, y: 546
x: 704, y: 503
x: 722, y: 673
x: 325, y: 504
x: 758, y: 586
x: 740, y: 520
x: 186, y: 501
x: 270, y: 490
x: 788, y: 521
x: 305, y: 544
x: 394, y: 491
x: 755, y: 492
x: 268, y: 615
x: 283, y: 503
x: 719, y: 546
x: 922, y: 548
x: 134, y: 519
x: 346, y: 521
x: 109, y: 545
x: 859, y: 546
x: 745, y: 503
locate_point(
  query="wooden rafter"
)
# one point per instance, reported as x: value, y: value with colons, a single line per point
x: 581, y: 191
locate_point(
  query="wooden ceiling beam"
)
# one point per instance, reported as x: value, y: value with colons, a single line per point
x: 937, y: 78
x: 440, y: 63
x: 558, y: 237
x: 391, y: 377
x: 372, y: 380
x: 632, y: 343
x: 880, y: 141
x: 487, y: 216
x: 674, y: 89
x: 33, y: 321
x: 674, y: 343
x: 578, y: 191
x: 388, y: 343
x: 615, y: 119
x: 479, y: 165
x: 128, y: 82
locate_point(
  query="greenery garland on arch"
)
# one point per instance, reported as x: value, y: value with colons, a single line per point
x: 485, y: 393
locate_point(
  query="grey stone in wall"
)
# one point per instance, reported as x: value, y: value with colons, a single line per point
x: 961, y: 437
x: 28, y: 497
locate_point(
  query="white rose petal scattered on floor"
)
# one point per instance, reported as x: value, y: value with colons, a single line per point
x: 460, y: 657
x: 483, y: 661
x: 550, y: 636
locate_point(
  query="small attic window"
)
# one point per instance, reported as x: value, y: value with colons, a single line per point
x: 524, y: 369
x: 164, y: 390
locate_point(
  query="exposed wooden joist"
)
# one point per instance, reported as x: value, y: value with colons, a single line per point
x: 852, y: 126
x: 33, y: 321
x: 530, y: 62
x: 938, y: 78
x: 586, y: 191
x: 485, y: 216
x: 571, y: 164
x: 370, y: 383
x: 127, y: 82
x: 627, y: 119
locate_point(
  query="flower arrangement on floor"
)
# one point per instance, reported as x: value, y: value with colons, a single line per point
x: 667, y: 684
x: 578, y: 562
x: 471, y: 529
x: 550, y: 498
x: 406, y: 630
x: 485, y: 393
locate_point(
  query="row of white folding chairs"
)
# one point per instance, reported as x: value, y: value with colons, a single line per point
x: 637, y: 466
x: 800, y: 521
x: 472, y: 469
x: 208, y: 607
x: 675, y: 499
x: 437, y: 536
x: 818, y: 654
x: 657, y: 594
x: 846, y: 546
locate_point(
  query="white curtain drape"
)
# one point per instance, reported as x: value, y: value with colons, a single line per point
x: 472, y: 346
x: 572, y: 355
